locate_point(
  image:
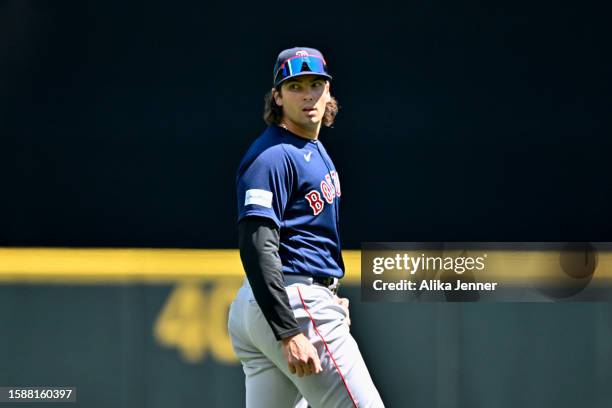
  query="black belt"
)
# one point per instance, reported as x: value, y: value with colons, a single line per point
x: 327, y: 281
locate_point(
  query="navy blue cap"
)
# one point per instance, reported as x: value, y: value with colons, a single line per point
x: 298, y: 61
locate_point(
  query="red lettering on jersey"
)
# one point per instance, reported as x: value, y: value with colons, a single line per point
x: 336, y: 179
x: 315, y: 201
x: 328, y: 189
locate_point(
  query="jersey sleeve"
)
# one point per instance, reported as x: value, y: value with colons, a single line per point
x: 264, y: 185
x: 258, y: 240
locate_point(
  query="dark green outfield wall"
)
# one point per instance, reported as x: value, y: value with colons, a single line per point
x: 102, y: 339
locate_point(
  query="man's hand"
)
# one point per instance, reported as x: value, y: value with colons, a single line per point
x: 344, y: 302
x: 301, y: 355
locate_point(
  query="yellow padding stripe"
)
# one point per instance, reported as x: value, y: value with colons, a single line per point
x: 123, y: 265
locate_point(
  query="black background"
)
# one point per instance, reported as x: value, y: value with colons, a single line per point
x: 122, y: 123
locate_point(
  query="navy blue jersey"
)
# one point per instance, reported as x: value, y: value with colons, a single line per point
x: 293, y: 182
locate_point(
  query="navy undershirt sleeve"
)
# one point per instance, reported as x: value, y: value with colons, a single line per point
x: 258, y: 241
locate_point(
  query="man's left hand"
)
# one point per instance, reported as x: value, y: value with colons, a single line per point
x: 344, y: 302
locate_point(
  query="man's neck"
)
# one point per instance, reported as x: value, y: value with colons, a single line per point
x: 298, y: 131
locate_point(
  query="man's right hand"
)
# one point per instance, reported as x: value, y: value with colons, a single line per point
x: 301, y: 355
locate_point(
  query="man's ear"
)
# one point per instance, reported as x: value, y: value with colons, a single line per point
x: 278, y: 99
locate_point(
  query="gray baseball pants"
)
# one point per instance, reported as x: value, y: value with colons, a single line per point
x: 345, y: 380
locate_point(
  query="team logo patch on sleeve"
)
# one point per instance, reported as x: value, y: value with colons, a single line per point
x: 258, y: 197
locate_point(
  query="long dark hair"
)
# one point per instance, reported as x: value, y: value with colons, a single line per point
x: 274, y: 113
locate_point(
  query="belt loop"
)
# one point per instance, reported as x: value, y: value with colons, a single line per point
x: 334, y: 290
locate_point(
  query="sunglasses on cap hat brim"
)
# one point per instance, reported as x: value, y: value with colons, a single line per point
x: 300, y: 65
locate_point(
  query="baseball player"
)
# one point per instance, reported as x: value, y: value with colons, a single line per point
x: 287, y: 326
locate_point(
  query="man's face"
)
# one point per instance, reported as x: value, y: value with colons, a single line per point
x: 303, y: 100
